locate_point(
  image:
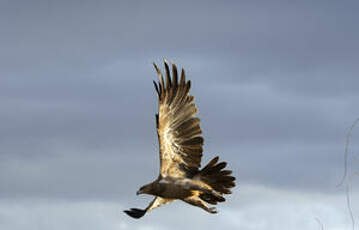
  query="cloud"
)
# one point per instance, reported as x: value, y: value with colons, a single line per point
x: 253, y: 207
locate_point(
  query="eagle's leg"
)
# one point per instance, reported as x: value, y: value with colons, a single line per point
x: 209, y: 191
x: 196, y: 201
x: 196, y: 185
x: 214, y: 193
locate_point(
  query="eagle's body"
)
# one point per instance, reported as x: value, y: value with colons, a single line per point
x: 170, y: 188
x: 180, y: 144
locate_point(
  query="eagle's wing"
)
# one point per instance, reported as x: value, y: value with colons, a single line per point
x: 179, y: 133
x: 157, y: 202
x: 138, y: 213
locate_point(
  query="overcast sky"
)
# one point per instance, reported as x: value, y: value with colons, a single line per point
x: 276, y: 84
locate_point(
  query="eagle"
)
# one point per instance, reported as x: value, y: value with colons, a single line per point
x: 180, y: 148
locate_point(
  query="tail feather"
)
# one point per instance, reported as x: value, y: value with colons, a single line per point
x: 211, y: 199
x: 209, y: 165
x: 220, y: 180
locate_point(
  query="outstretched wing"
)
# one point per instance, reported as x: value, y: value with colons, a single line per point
x: 138, y: 213
x: 178, y: 129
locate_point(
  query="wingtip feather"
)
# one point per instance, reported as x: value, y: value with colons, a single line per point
x: 156, y: 87
x: 160, y: 76
x: 168, y: 75
x: 135, y: 213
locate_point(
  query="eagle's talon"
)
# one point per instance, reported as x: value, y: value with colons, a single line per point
x: 213, y: 210
x: 216, y: 194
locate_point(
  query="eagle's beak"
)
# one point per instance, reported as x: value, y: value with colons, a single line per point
x: 138, y: 192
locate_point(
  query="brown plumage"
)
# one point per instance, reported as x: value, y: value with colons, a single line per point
x: 180, y: 142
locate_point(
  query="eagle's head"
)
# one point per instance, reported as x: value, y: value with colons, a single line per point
x: 146, y: 189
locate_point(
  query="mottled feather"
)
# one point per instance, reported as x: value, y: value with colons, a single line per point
x: 178, y: 129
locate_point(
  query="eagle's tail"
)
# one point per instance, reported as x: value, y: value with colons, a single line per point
x: 219, y: 179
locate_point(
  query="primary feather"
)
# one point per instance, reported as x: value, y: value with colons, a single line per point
x: 179, y: 133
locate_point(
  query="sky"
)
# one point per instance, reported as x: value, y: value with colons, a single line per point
x: 276, y: 84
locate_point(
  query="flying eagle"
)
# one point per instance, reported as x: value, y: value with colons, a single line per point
x: 180, y: 144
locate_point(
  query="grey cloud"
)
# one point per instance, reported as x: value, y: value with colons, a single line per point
x: 90, y: 113
x: 278, y: 34
x: 257, y: 207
